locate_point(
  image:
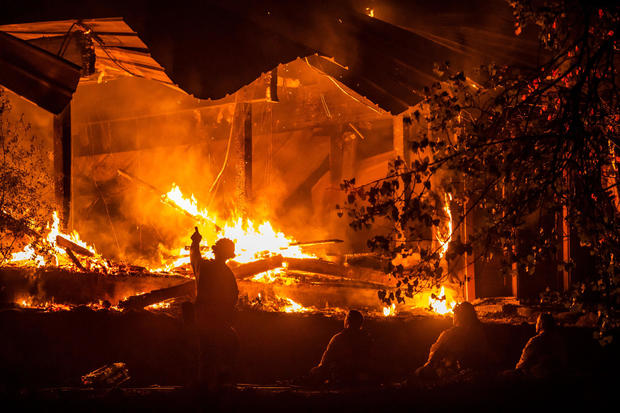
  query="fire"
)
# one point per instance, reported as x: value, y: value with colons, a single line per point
x: 252, y: 240
x: 294, y: 307
x: 271, y: 276
x: 188, y: 205
x: 440, y: 304
x: 444, y: 239
x: 29, y: 257
x: 389, y: 311
x: 158, y: 306
x: 47, y: 306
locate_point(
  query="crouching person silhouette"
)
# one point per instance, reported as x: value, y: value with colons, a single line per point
x: 461, y: 348
x: 348, y: 358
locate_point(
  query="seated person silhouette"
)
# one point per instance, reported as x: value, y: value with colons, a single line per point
x: 544, y: 355
x: 347, y: 358
x: 461, y: 348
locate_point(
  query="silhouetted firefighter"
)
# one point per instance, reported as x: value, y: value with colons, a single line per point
x: 544, y: 355
x: 458, y: 349
x: 216, y: 298
x: 348, y: 356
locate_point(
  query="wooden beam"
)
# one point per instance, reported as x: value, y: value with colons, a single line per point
x: 62, y: 164
x: 247, y: 139
x: 470, y: 273
x: 564, y: 228
x: 241, y: 150
x: 335, y: 155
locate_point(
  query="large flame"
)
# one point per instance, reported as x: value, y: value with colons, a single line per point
x: 252, y: 240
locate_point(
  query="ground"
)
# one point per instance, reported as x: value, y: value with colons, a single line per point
x: 44, y: 354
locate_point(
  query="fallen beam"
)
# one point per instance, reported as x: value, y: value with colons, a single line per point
x: 256, y: 267
x: 75, y: 259
x: 189, y: 288
x: 317, y: 265
x: 78, y: 249
x: 311, y: 243
x: 156, y: 296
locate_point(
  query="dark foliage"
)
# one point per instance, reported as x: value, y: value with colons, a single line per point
x: 23, y: 183
x: 520, y: 145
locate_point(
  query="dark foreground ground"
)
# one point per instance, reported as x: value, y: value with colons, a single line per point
x: 43, y: 356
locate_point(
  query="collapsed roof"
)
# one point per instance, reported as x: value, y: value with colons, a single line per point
x: 213, y: 48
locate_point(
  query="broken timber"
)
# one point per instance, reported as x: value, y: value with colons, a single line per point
x: 75, y: 259
x: 67, y: 244
x: 317, y: 265
x: 189, y: 288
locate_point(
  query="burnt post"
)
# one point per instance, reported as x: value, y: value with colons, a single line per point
x: 470, y: 272
x: 62, y: 164
x: 564, y: 229
x: 241, y: 150
x: 336, y: 149
x: 402, y: 130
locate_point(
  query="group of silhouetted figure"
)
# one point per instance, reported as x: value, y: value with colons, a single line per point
x: 349, y: 356
x: 462, y: 350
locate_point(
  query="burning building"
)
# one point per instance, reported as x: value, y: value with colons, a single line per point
x: 150, y: 137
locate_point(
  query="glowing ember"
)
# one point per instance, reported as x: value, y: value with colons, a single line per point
x: 294, y: 307
x: 158, y: 306
x: 277, y: 275
x: 47, y: 306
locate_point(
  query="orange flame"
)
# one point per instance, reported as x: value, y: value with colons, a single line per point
x: 28, y: 256
x: 252, y: 241
x: 444, y: 239
x: 389, y: 311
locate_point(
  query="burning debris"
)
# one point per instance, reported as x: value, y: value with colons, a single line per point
x: 266, y: 258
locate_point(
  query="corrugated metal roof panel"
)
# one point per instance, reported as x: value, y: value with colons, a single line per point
x: 39, y: 76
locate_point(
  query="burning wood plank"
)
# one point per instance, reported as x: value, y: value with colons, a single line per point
x: 78, y: 249
x: 317, y: 265
x: 256, y: 267
x: 189, y: 288
x: 156, y: 296
x: 316, y: 242
x: 75, y: 259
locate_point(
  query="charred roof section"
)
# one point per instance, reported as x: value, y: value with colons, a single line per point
x: 213, y: 48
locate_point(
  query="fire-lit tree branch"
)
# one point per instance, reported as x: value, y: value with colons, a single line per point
x: 518, y: 147
x: 23, y: 181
